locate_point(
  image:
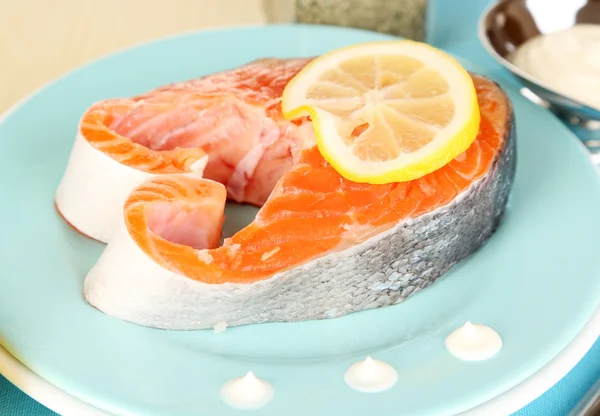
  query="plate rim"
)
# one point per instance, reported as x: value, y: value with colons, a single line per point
x: 508, y: 402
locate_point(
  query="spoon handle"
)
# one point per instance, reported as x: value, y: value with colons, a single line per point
x: 589, y: 405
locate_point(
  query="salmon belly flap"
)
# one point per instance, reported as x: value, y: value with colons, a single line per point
x: 226, y: 127
x: 320, y: 246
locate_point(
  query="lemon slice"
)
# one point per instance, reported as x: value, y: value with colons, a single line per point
x: 386, y: 111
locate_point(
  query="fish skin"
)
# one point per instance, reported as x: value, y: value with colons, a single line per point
x: 365, y: 276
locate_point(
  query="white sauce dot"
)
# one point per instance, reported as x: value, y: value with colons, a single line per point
x: 473, y: 342
x: 248, y: 392
x: 371, y: 376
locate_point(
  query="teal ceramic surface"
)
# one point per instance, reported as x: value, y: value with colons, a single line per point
x: 536, y: 282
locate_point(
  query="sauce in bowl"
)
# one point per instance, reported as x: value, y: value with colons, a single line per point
x: 568, y: 61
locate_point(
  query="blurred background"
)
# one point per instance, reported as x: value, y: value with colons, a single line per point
x: 42, y: 39
x: 36, y: 47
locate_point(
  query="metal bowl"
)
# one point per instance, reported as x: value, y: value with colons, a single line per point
x: 509, y: 23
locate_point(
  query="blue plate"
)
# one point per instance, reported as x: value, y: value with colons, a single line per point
x: 536, y: 282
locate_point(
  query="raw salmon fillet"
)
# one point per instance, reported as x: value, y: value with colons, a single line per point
x: 321, y: 246
x: 312, y: 211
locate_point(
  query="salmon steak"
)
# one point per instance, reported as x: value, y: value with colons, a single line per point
x: 150, y: 175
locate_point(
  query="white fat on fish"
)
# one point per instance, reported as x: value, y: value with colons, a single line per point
x: 244, y: 171
x: 204, y: 256
x: 270, y: 253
